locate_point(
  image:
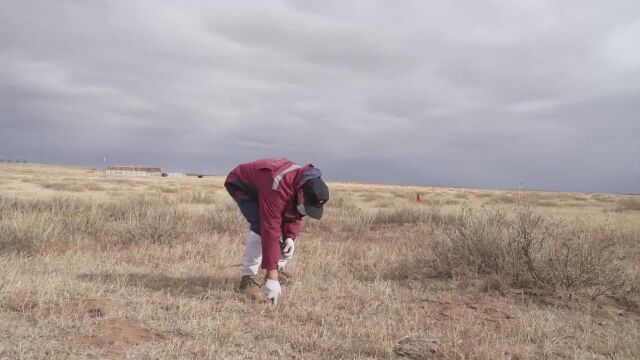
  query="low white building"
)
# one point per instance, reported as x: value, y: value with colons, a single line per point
x: 132, y: 171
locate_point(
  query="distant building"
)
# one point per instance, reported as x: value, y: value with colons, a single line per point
x: 175, y: 174
x: 133, y: 171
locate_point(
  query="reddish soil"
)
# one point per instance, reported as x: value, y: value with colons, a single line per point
x: 119, y: 334
x: 113, y: 336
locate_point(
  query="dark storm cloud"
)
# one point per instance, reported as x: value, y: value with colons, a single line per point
x: 490, y: 94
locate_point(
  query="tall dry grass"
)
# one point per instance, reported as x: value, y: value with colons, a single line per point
x: 33, y: 226
x: 380, y: 277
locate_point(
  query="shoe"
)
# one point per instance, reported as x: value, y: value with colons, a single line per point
x: 248, y: 281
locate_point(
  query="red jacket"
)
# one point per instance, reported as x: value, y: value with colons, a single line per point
x: 274, y: 183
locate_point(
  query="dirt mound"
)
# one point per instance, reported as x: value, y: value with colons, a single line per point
x: 114, y: 336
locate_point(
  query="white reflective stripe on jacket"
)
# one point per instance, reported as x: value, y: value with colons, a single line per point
x: 278, y: 178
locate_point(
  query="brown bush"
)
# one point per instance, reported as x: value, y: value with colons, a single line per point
x: 30, y: 225
x: 406, y: 213
x: 28, y: 233
x: 342, y: 214
x: 64, y: 186
x: 522, y: 247
x: 628, y: 204
x: 197, y: 197
x: 219, y: 219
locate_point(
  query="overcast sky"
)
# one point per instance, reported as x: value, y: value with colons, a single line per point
x: 459, y: 93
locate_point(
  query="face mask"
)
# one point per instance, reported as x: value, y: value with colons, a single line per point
x: 301, y: 209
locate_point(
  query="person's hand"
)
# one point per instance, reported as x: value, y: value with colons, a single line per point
x: 272, y: 290
x: 288, y: 248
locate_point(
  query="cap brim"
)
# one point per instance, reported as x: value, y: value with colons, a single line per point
x: 314, y: 212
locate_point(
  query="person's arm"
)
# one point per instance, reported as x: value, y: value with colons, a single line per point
x: 292, y: 229
x: 271, y: 208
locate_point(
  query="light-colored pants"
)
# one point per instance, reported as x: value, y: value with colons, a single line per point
x: 253, y: 255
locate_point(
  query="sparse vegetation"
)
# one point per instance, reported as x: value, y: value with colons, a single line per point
x: 379, y: 277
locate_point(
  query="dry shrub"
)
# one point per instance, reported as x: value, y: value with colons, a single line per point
x: 342, y: 215
x: 628, y: 204
x: 524, y: 248
x: 94, y: 187
x: 602, y: 198
x: 355, y: 221
x: 399, y: 214
x: 31, y: 225
x: 63, y: 186
x: 579, y: 256
x: 576, y: 197
x: 168, y: 190
x: 547, y: 203
x: 472, y: 243
x: 27, y: 233
x: 505, y: 199
x: 409, y: 213
x: 219, y: 219
x: 197, y: 197
x: 370, y: 196
x: 142, y: 219
x: 461, y: 195
x: 18, y: 301
x: 448, y: 202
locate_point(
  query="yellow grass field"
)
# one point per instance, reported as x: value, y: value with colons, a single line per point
x: 96, y: 267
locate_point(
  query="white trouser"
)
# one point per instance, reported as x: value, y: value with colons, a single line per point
x: 253, y: 255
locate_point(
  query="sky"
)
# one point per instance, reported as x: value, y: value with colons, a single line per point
x: 492, y: 94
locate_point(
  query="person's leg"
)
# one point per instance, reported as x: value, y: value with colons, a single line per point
x: 252, y: 255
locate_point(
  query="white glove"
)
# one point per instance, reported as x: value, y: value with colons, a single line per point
x: 273, y: 290
x: 288, y: 248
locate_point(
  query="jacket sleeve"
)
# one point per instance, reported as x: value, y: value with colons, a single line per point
x: 292, y: 229
x: 271, y: 208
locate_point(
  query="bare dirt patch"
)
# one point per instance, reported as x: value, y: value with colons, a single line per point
x: 116, y: 335
x: 113, y: 336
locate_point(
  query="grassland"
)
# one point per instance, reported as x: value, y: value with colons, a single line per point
x: 147, y: 268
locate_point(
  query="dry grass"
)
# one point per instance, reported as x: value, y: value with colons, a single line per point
x: 628, y: 204
x: 151, y: 274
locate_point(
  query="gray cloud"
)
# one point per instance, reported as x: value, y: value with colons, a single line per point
x: 464, y: 94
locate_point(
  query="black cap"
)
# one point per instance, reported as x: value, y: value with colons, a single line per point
x: 316, y: 194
